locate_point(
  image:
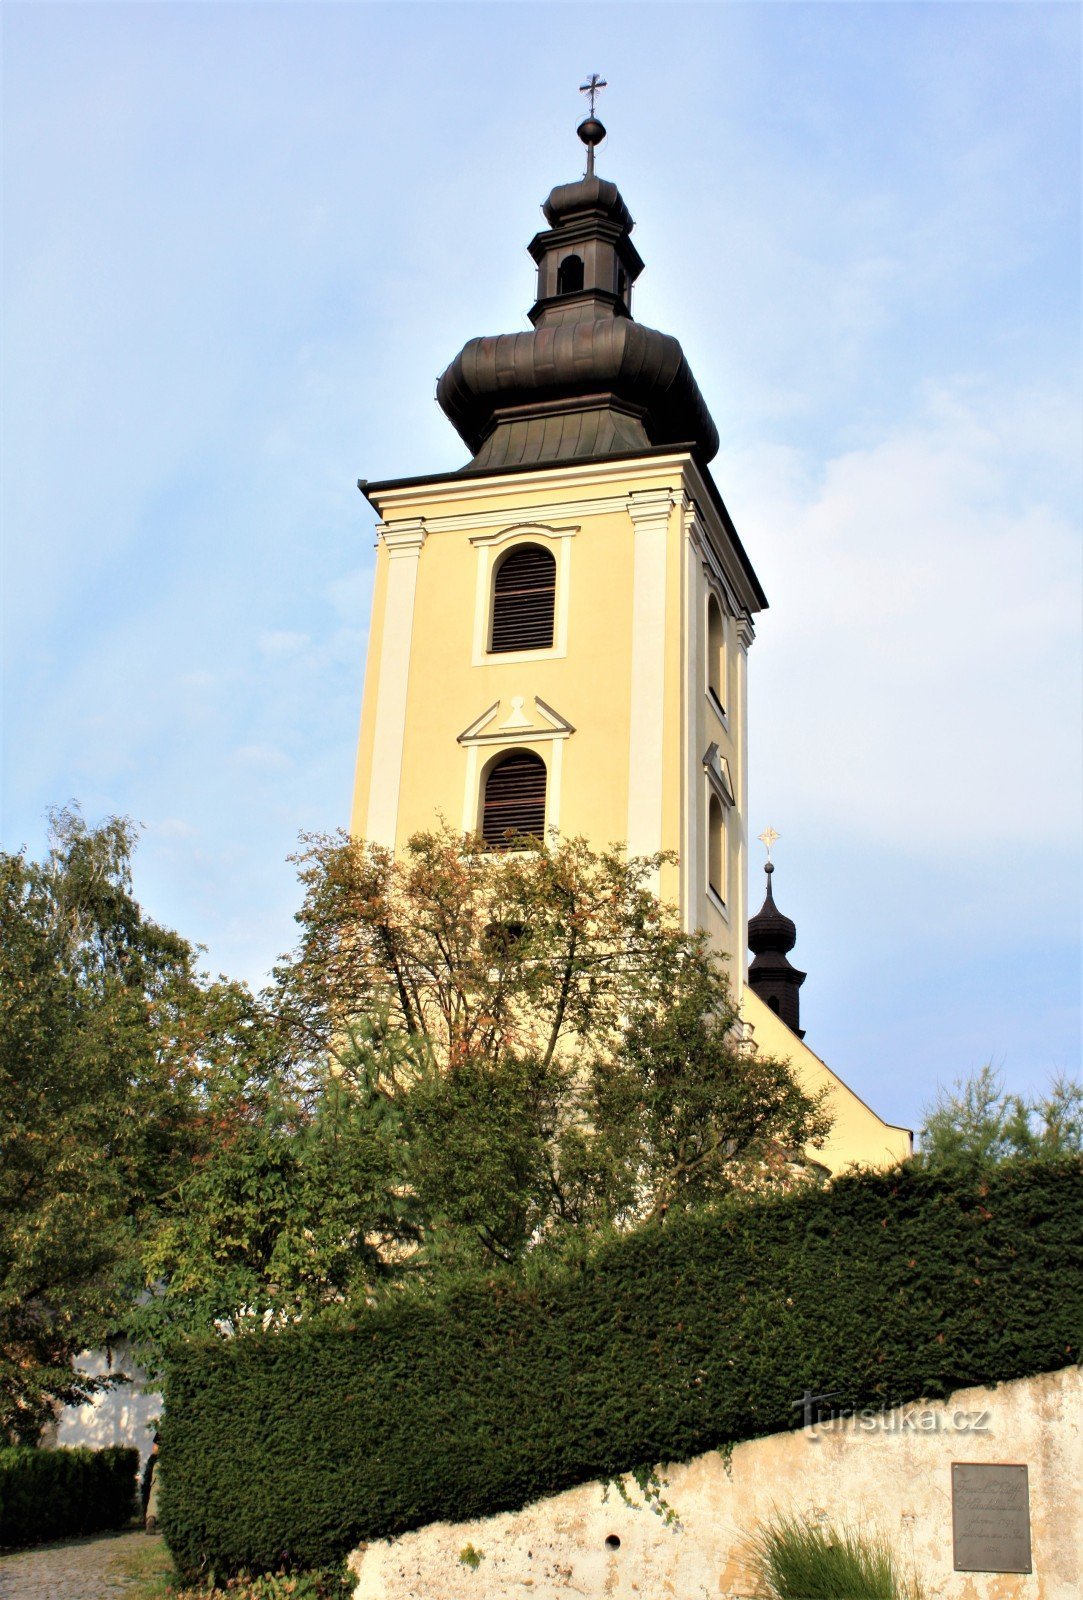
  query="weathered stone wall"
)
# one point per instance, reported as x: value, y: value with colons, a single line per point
x: 890, y: 1473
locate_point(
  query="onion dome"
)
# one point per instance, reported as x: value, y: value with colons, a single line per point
x: 587, y: 381
x: 770, y: 936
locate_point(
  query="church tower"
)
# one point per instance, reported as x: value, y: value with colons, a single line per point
x: 560, y: 628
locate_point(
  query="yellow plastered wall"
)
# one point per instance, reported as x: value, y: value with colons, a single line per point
x: 616, y: 708
x: 858, y: 1136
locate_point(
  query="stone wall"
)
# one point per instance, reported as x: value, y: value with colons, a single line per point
x: 889, y: 1472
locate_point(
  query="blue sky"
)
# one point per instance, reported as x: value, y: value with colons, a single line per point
x: 242, y: 241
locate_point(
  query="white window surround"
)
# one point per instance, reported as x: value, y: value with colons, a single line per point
x: 717, y: 769
x: 542, y: 727
x: 718, y: 903
x: 717, y: 702
x: 715, y: 899
x: 489, y: 547
x: 718, y: 786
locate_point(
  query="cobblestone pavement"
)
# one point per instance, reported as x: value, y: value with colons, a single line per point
x: 84, y: 1569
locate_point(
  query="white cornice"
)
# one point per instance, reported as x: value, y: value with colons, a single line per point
x: 403, y: 538
x: 746, y: 632
x: 539, y: 481
x: 606, y: 486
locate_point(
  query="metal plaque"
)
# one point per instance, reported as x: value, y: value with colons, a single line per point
x: 990, y: 1518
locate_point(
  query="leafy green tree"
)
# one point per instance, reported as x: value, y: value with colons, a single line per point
x: 685, y: 1114
x: 473, y: 953
x: 297, y: 1208
x: 572, y: 1057
x: 119, y: 1066
x: 483, y: 1055
x: 92, y: 1110
x: 978, y: 1122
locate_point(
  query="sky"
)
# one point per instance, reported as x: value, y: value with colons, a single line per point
x: 241, y: 241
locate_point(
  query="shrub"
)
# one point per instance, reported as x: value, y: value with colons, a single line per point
x: 287, y: 1449
x: 275, y: 1586
x: 61, y: 1494
x: 796, y: 1559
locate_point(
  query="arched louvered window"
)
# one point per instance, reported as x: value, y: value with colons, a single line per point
x: 524, y: 595
x: 514, y: 799
x: 716, y: 847
x: 716, y: 653
x: 570, y: 275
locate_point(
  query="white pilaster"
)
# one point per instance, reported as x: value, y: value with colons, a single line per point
x: 743, y: 634
x: 403, y: 541
x: 649, y: 510
x: 693, y: 833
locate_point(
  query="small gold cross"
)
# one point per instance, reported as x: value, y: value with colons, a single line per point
x: 768, y: 838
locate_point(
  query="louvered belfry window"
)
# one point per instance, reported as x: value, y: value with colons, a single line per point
x: 523, y: 599
x: 514, y: 799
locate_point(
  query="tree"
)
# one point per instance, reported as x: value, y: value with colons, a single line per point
x: 295, y: 1209
x: 473, y: 953
x: 103, y: 1029
x: 568, y: 1058
x: 978, y: 1123
x: 685, y: 1115
x: 482, y: 1055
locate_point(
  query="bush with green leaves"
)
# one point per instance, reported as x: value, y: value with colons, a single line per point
x: 979, y: 1122
x: 324, y: 1585
x: 62, y: 1494
x: 795, y: 1558
x: 286, y: 1449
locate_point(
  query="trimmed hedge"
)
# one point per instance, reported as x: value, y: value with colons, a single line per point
x: 289, y: 1449
x: 63, y: 1494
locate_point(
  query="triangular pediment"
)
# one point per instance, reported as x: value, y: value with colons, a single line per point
x: 514, y: 718
x: 717, y: 769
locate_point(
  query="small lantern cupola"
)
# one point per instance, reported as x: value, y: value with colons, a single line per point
x: 770, y: 937
x: 587, y: 262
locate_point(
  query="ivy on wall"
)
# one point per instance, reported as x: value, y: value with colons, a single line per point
x: 291, y: 1448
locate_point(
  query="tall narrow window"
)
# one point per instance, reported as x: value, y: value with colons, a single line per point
x: 524, y: 596
x: 716, y: 848
x: 514, y: 800
x: 716, y: 653
x: 570, y: 275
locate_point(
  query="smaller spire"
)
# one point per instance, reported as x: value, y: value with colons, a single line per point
x: 770, y: 937
x: 590, y: 130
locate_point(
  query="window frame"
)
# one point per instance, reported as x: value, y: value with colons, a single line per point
x: 716, y: 698
x: 498, y: 565
x: 566, y: 260
x: 491, y: 547
x: 498, y: 757
x: 717, y: 894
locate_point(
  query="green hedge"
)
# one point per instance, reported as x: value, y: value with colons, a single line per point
x: 289, y: 1449
x: 61, y: 1494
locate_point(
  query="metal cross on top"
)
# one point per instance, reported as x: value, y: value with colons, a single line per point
x: 591, y: 87
x: 769, y: 837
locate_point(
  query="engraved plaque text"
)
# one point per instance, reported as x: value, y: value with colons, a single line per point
x: 990, y: 1518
